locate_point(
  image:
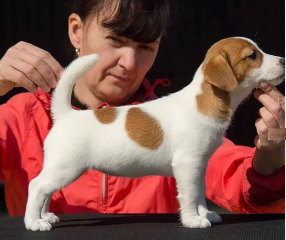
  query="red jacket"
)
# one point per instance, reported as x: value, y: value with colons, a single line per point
x: 231, y: 181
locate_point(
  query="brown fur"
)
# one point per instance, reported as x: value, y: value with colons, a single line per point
x: 216, y: 104
x: 143, y: 129
x: 224, y: 67
x: 106, y: 115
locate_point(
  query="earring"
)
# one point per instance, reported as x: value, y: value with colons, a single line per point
x: 77, y: 52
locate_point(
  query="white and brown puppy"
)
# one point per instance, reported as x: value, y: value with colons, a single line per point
x: 171, y: 136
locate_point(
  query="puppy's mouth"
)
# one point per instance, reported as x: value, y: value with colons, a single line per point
x: 274, y: 81
x: 281, y: 77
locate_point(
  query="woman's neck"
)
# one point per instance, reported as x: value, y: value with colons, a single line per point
x: 76, y: 102
x: 82, y: 98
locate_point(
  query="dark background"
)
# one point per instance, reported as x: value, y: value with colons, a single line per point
x: 195, y: 26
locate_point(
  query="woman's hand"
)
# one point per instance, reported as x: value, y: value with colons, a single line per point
x: 30, y: 67
x: 270, y: 154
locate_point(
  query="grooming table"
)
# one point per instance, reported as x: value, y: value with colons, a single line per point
x: 148, y: 226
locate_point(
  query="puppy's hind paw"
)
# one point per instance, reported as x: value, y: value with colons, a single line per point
x: 50, y: 217
x: 38, y: 225
x: 196, y: 222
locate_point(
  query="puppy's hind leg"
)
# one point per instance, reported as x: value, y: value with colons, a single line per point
x: 46, y: 215
x: 41, y: 188
x: 187, y: 170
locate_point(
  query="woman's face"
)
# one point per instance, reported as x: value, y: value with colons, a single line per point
x: 121, y: 67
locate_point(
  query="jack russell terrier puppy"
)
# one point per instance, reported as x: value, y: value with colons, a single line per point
x: 171, y: 136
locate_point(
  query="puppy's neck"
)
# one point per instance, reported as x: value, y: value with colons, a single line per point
x: 209, y: 100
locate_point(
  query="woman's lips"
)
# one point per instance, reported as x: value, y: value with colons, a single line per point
x: 121, y: 79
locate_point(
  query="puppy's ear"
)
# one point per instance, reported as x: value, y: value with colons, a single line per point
x: 218, y: 72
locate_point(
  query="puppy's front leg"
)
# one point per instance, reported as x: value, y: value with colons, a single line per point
x: 188, y: 171
x: 213, y: 217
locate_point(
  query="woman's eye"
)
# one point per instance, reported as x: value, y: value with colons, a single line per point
x: 145, y: 47
x: 115, y: 39
x: 252, y: 56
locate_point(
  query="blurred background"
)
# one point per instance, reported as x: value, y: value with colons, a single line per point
x: 195, y: 26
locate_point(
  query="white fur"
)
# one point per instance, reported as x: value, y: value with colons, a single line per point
x: 78, y: 142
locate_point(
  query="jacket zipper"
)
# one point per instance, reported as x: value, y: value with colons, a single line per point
x: 103, y: 188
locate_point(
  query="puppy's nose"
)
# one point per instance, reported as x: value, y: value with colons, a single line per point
x: 282, y: 61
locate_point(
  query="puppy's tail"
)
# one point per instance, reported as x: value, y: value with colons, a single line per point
x: 61, y: 100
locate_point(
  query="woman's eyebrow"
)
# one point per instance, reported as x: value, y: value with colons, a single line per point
x: 156, y: 42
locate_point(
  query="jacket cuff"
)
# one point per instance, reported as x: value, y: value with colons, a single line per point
x: 263, y: 192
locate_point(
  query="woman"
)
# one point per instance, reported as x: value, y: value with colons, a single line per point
x: 126, y: 34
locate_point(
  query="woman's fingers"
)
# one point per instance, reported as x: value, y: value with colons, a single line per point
x: 31, y: 73
x: 12, y: 76
x: 30, y: 67
x: 44, y: 55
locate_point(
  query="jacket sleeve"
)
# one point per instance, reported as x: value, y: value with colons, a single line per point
x: 233, y: 183
x: 12, y: 133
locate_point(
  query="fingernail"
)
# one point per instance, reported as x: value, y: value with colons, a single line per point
x: 263, y: 85
x: 256, y: 93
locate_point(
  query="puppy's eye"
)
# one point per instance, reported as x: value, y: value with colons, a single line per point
x: 252, y: 56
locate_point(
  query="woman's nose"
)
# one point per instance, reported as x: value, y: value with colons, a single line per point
x: 128, y: 60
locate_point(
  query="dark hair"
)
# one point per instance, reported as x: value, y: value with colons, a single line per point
x: 140, y: 20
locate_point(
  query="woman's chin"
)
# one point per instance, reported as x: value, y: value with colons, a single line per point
x: 116, y: 97
x: 116, y: 93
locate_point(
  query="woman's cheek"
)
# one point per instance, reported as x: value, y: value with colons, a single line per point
x: 93, y: 77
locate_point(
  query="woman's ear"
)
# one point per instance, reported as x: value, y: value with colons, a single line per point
x: 75, y: 30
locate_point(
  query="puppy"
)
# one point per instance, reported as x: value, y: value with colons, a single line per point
x: 146, y: 139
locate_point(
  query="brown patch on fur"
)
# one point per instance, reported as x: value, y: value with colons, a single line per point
x: 214, y: 102
x: 105, y: 115
x: 226, y: 65
x: 143, y: 129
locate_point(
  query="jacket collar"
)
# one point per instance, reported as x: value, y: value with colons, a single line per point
x: 143, y: 94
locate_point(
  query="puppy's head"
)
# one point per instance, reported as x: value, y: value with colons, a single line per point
x: 238, y: 63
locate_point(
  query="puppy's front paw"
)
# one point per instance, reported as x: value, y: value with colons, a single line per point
x: 50, y: 217
x: 213, y: 217
x: 195, y: 222
x: 38, y: 225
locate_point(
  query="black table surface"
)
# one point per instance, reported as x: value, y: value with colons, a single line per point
x: 148, y: 226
